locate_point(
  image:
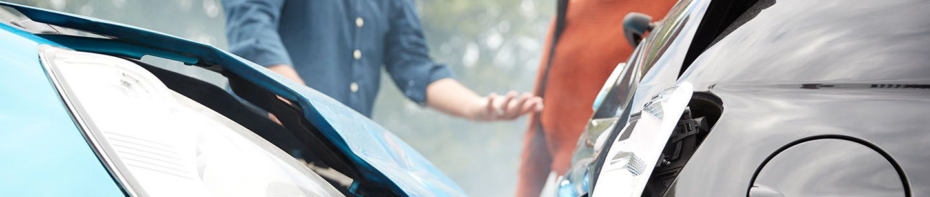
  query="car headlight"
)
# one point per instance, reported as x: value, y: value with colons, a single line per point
x: 619, y: 88
x: 608, y: 85
x: 156, y: 142
x: 576, y: 181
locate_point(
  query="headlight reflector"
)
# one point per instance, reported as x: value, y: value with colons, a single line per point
x: 159, y: 143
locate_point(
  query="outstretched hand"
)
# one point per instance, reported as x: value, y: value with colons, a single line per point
x: 506, y: 107
x: 449, y: 96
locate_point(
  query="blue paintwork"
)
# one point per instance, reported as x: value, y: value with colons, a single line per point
x: 115, y: 47
x: 42, y: 151
x: 381, y: 156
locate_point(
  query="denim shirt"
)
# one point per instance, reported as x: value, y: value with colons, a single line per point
x: 337, y: 46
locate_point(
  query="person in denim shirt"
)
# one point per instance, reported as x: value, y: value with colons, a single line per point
x: 339, y: 46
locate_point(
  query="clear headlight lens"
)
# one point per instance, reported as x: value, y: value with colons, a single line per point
x: 156, y: 143
x: 576, y: 182
x: 608, y: 85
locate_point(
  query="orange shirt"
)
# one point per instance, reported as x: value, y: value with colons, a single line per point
x: 591, y: 46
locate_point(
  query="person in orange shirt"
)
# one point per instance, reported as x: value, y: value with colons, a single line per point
x: 589, y: 46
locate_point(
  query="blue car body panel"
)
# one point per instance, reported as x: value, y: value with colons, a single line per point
x: 381, y: 156
x: 42, y: 151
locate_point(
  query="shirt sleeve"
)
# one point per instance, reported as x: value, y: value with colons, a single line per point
x: 252, y: 31
x: 407, y: 55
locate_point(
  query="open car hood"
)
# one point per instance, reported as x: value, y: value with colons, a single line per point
x: 381, y: 157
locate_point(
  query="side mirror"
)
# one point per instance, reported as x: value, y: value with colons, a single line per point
x: 635, y: 25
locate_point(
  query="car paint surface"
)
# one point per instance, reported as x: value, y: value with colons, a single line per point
x: 824, y: 158
x: 43, y: 152
x: 381, y: 156
x: 854, y: 69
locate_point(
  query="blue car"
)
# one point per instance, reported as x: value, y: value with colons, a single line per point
x: 81, y: 115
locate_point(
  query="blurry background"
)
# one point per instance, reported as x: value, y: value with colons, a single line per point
x: 493, y: 46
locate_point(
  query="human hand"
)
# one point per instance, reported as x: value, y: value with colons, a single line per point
x: 507, y: 107
x: 275, y: 118
x: 287, y: 72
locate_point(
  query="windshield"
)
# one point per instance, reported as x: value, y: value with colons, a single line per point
x: 659, y: 40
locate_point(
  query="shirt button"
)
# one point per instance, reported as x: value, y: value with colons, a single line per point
x: 353, y: 87
x: 357, y: 54
x: 359, y: 22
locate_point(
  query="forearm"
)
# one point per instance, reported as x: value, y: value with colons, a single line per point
x: 451, y: 97
x: 287, y: 71
x: 252, y: 31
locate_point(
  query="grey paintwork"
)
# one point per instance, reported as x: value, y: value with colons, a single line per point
x: 856, y: 69
x: 829, y: 166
